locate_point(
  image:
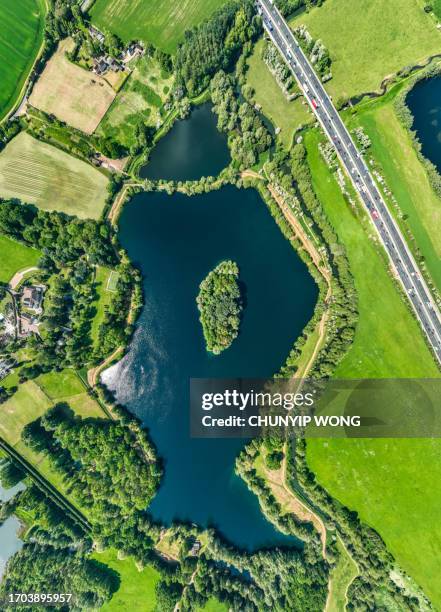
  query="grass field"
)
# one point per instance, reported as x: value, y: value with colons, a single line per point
x: 21, y: 36
x: 371, y: 39
x: 390, y: 483
x: 137, y: 589
x: 34, y: 397
x: 213, y: 605
x: 15, y: 256
x: 162, y: 22
x: 74, y: 95
x: 59, y: 385
x: 287, y: 116
x: 40, y: 174
x: 342, y: 576
x: 140, y: 99
x: 406, y: 177
x: 102, y: 282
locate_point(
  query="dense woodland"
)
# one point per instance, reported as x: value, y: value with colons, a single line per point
x: 110, y: 469
x: 248, y: 136
x: 215, y: 45
x: 220, y: 304
x: 90, y: 583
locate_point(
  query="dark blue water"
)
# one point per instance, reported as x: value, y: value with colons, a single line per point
x: 176, y: 241
x: 424, y: 101
x: 191, y: 149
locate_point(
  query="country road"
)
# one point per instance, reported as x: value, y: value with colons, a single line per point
x: 402, y: 261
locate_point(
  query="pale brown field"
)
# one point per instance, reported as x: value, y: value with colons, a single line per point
x: 74, y: 95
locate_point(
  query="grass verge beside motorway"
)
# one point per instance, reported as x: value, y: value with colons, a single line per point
x: 405, y: 176
x: 38, y: 173
x: 388, y: 482
x: 371, y: 39
x: 387, y: 332
x: 162, y: 22
x: 287, y: 116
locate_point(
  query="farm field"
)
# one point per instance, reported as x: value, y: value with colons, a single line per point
x: 74, y: 95
x: 140, y: 100
x: 406, y: 177
x: 287, y: 116
x: 21, y: 36
x: 360, y: 62
x: 38, y: 173
x: 15, y: 256
x: 161, y: 22
x: 137, y: 589
x: 395, y: 496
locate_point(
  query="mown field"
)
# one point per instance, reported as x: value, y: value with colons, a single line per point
x: 14, y: 257
x: 21, y: 35
x: 137, y: 589
x: 139, y: 101
x: 40, y: 174
x: 371, y: 39
x: 71, y: 93
x: 390, y: 483
x: 162, y: 22
x: 405, y: 176
x: 287, y: 116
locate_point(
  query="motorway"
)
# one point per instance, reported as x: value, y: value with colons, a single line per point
x: 402, y: 261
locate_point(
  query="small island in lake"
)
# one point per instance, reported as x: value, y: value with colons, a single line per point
x: 220, y: 304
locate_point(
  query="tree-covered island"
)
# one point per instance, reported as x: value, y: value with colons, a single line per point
x: 220, y: 304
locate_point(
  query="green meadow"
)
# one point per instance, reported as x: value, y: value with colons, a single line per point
x: 21, y: 35
x: 390, y: 483
x: 162, y: 22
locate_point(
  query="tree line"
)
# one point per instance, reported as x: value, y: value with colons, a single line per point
x: 248, y: 137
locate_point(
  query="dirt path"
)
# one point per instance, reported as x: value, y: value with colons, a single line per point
x: 18, y: 277
x: 115, y: 209
x: 93, y: 373
x: 300, y: 234
x: 276, y: 479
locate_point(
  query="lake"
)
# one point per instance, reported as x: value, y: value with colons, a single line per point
x: 10, y: 543
x: 424, y: 101
x: 191, y: 149
x: 176, y: 240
